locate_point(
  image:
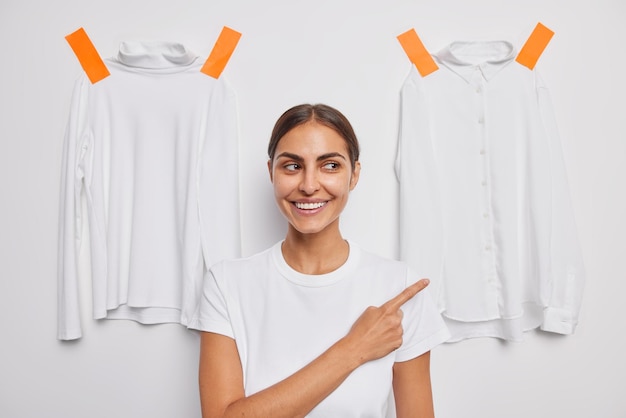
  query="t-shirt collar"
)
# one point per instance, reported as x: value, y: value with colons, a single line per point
x: 321, y: 280
x: 464, y: 58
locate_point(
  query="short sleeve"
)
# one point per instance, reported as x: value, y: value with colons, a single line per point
x: 422, y: 324
x: 211, y: 314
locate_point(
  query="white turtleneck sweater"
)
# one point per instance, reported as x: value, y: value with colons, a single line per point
x: 153, y: 149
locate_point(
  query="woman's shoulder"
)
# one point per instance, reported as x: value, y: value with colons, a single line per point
x: 253, y: 263
x: 370, y: 259
x: 374, y: 258
x: 250, y: 260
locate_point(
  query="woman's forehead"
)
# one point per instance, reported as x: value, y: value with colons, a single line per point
x: 312, y: 137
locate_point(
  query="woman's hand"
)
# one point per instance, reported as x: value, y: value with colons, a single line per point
x: 378, y: 331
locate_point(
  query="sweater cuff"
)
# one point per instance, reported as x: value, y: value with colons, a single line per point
x: 557, y: 320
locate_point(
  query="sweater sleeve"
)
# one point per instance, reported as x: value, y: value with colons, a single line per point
x: 70, y: 216
x: 563, y: 292
x: 218, y: 178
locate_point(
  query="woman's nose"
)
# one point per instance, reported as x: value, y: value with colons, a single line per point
x: 310, y: 182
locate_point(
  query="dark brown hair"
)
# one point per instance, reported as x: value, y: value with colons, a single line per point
x: 320, y: 113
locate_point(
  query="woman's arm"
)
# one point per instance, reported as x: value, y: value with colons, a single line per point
x: 221, y: 382
x: 376, y: 333
x: 412, y: 389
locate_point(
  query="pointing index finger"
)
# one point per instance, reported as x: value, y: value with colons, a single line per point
x: 406, y: 295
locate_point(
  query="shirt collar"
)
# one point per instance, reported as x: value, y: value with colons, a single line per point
x: 464, y: 57
x: 154, y: 55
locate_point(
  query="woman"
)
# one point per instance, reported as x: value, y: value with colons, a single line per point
x: 313, y: 326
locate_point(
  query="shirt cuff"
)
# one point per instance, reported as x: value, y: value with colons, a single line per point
x: 557, y: 320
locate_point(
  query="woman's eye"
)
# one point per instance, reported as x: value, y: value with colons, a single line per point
x: 291, y: 167
x: 331, y: 166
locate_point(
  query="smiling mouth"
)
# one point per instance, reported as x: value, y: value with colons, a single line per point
x: 309, y: 206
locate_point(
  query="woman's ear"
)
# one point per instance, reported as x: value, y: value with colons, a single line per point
x: 354, y: 179
x: 269, y: 168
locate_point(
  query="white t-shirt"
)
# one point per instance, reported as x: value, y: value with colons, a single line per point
x: 485, y: 211
x: 153, y: 149
x: 281, y: 320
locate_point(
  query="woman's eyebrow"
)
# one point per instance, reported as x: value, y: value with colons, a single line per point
x: 331, y: 155
x: 298, y: 158
x: 290, y: 156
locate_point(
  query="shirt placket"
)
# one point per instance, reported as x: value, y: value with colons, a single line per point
x: 488, y: 250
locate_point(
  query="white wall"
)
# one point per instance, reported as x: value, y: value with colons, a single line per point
x: 343, y: 53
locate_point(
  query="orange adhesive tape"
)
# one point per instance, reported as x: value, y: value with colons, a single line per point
x: 222, y: 50
x: 87, y: 55
x: 534, y: 46
x: 417, y: 53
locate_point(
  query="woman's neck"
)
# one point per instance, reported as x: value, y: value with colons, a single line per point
x: 318, y: 253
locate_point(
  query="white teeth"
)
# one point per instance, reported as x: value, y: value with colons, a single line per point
x: 309, y: 206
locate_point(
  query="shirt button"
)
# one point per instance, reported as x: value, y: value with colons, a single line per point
x: 482, y: 152
x: 481, y: 120
x: 487, y: 247
x: 479, y: 90
x: 483, y: 183
x: 485, y: 215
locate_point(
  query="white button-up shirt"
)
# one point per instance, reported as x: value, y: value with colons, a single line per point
x: 485, y: 210
x: 153, y: 148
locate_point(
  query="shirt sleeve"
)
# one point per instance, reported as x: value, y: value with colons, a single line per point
x: 211, y: 314
x: 422, y: 324
x: 421, y: 222
x: 70, y: 217
x: 563, y: 291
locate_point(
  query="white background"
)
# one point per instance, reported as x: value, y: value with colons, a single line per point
x: 343, y: 53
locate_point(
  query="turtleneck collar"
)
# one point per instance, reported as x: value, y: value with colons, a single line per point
x: 154, y: 55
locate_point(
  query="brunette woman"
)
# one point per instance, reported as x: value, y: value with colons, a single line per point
x: 315, y: 326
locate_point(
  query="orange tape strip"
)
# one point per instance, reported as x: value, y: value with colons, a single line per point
x: 417, y: 53
x: 222, y: 50
x: 87, y: 56
x: 534, y: 46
